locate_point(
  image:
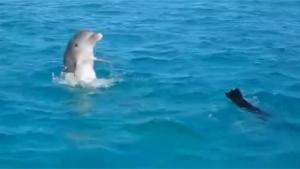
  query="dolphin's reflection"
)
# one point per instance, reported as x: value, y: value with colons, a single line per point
x: 82, y: 102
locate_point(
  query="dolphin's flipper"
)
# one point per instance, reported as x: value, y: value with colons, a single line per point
x: 101, y: 60
x: 236, y: 97
x: 97, y: 59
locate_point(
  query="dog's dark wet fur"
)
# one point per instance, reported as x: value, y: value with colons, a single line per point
x: 236, y: 97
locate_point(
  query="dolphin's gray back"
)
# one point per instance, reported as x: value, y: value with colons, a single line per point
x: 69, y: 59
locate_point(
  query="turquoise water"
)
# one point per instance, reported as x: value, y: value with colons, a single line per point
x: 176, y: 59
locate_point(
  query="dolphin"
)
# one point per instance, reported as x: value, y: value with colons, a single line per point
x: 79, y: 56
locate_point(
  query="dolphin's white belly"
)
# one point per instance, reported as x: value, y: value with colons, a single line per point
x: 85, y: 71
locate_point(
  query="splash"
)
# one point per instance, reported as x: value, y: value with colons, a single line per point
x: 69, y: 79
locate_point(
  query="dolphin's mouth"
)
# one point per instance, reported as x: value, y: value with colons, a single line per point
x: 94, y: 37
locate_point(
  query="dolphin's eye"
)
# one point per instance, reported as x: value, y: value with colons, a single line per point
x: 75, y: 44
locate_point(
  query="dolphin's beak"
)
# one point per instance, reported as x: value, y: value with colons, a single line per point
x: 99, y: 36
x: 95, y: 37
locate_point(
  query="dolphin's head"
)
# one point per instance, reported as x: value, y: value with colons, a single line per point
x: 84, y: 41
x: 79, y: 47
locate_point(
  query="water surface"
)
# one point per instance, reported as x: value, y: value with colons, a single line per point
x: 176, y: 59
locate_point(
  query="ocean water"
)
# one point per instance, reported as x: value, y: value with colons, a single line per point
x: 175, y: 59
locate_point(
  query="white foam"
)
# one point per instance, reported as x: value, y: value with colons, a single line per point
x: 70, y: 80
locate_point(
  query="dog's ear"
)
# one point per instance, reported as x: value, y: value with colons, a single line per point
x: 234, y: 94
x: 237, y: 93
